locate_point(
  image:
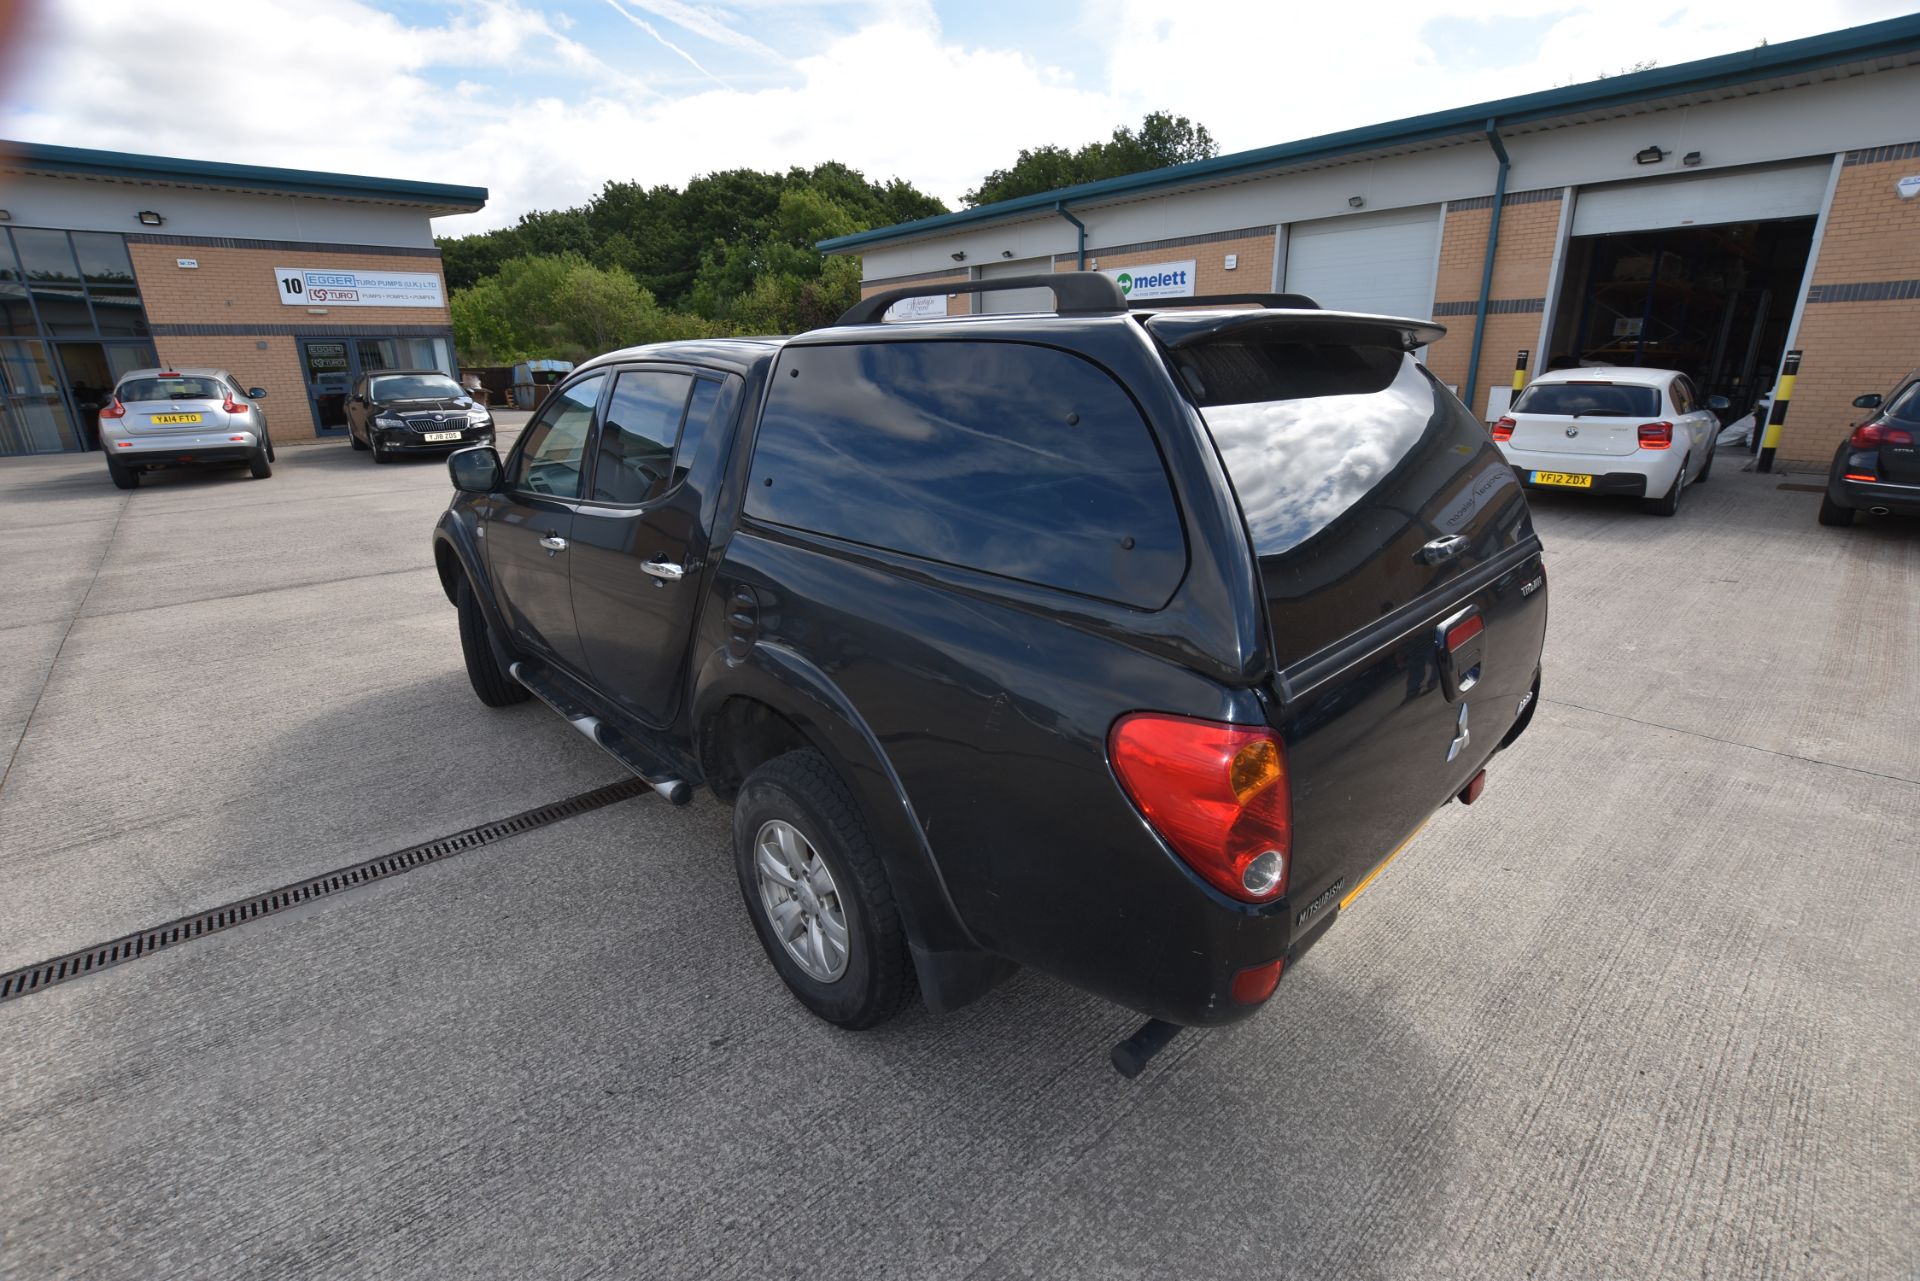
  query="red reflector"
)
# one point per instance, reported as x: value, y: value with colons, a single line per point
x: 1256, y: 983
x: 1874, y: 435
x: 123, y: 444
x: 1857, y: 476
x: 1217, y: 793
x: 1460, y: 633
x: 1503, y: 429
x: 236, y: 438
x: 1475, y: 785
x: 1656, y: 435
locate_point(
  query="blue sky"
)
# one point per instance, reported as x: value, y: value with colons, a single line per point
x: 542, y: 103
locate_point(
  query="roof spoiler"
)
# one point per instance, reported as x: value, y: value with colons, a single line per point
x: 1075, y: 293
x: 1337, y: 327
x: 1289, y: 302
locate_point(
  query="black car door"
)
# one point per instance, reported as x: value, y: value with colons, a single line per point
x: 639, y: 542
x: 529, y: 528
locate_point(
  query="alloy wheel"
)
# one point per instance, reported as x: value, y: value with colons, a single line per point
x: 800, y: 899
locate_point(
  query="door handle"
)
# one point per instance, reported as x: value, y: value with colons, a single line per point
x: 1443, y: 549
x: 664, y: 571
x: 554, y: 543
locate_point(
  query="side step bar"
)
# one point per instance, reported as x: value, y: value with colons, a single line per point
x: 677, y: 791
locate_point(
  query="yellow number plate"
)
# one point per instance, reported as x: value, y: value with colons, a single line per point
x: 1569, y: 479
x: 176, y: 418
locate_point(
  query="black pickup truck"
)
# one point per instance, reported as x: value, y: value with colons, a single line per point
x: 1124, y: 644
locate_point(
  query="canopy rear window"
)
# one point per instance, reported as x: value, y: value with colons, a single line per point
x: 1595, y: 399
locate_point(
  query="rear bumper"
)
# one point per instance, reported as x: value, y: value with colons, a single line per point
x: 1898, y: 500
x: 181, y: 456
x: 1630, y: 483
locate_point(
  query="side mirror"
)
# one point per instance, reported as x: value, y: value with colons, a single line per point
x: 1718, y: 402
x: 1869, y: 401
x: 256, y: 393
x: 476, y: 470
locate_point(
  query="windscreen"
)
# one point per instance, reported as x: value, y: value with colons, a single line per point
x: 416, y: 387
x: 186, y: 387
x: 1589, y: 400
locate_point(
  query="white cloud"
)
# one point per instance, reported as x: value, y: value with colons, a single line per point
x: 893, y: 96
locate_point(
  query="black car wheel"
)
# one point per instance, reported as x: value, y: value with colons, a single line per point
x: 123, y: 477
x: 354, y: 440
x: 1706, y: 471
x: 817, y: 893
x: 380, y: 455
x: 260, y: 464
x: 1668, y: 503
x: 490, y: 681
x: 1832, y: 513
x: 269, y: 441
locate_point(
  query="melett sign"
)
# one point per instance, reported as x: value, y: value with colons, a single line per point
x: 335, y: 287
x: 1155, y: 279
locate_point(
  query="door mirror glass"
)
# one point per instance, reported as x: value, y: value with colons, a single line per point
x: 476, y: 470
x: 1869, y: 401
x: 256, y: 393
x: 1719, y: 402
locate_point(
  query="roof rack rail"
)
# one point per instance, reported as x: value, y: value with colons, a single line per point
x: 1287, y: 302
x: 1075, y: 293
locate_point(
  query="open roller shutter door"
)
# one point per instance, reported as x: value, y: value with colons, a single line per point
x: 1011, y: 300
x: 1380, y: 262
x: 1752, y: 195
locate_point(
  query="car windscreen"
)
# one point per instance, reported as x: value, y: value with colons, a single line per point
x: 186, y: 387
x: 415, y: 387
x: 1595, y: 399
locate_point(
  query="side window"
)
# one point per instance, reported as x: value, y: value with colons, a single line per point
x: 701, y: 411
x: 1682, y: 397
x: 556, y: 442
x: 634, y: 458
x: 1018, y: 460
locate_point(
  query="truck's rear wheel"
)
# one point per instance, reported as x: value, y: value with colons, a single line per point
x: 817, y: 893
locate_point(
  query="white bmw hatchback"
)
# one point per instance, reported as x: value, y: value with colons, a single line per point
x: 1641, y: 432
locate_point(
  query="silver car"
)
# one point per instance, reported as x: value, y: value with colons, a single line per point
x: 183, y: 418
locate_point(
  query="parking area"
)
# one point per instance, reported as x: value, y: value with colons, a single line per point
x: 1647, y: 1009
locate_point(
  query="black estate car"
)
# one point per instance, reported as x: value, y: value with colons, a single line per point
x: 1877, y: 467
x: 414, y: 410
x: 1126, y: 645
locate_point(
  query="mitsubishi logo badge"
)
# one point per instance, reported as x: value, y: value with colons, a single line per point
x: 1461, y: 735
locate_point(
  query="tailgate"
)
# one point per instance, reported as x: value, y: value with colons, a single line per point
x: 1382, y: 515
x: 1560, y: 434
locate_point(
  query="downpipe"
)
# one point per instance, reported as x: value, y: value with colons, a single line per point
x: 1492, y: 134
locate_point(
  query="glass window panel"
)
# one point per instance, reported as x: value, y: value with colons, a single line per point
x: 33, y: 415
x: 9, y: 265
x: 46, y: 255
x: 103, y: 259
x: 119, y: 315
x: 63, y: 312
x: 16, y: 316
x: 124, y: 358
x: 635, y: 454
x: 379, y: 353
x: 556, y: 442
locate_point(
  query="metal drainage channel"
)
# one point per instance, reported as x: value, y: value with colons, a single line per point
x: 45, y: 974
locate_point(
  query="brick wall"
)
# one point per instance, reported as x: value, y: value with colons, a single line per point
x: 1852, y: 346
x: 237, y: 287
x: 1529, y: 222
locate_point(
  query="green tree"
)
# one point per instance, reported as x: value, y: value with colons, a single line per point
x: 1161, y: 140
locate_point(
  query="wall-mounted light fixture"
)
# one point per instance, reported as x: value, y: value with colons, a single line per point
x: 1649, y: 156
x: 959, y: 255
x: 1354, y: 202
x: 1690, y: 159
x: 148, y: 218
x: 1006, y: 253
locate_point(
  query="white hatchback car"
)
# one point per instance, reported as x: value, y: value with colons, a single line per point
x: 1643, y: 432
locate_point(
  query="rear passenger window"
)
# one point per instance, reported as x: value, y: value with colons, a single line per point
x: 634, y: 462
x: 1014, y: 459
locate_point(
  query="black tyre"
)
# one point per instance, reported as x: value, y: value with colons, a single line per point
x: 269, y: 440
x: 490, y: 681
x: 1706, y: 471
x: 1832, y: 513
x: 259, y: 464
x: 1668, y: 503
x: 818, y: 895
x: 379, y: 455
x: 123, y: 477
x: 356, y: 442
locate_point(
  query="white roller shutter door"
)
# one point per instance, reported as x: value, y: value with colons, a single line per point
x: 1378, y: 262
x: 1752, y: 195
x: 1009, y: 300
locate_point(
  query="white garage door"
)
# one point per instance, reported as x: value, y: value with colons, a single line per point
x: 1786, y: 191
x: 1379, y: 262
x: 1008, y: 300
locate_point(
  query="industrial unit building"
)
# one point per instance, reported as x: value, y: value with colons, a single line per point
x: 294, y: 281
x: 1706, y: 217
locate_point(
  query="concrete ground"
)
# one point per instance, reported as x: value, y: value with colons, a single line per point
x: 1647, y: 1009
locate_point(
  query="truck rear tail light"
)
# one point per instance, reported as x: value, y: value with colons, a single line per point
x: 1656, y: 435
x: 1503, y: 429
x: 113, y: 409
x: 1877, y: 435
x: 1256, y: 983
x: 1217, y: 793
